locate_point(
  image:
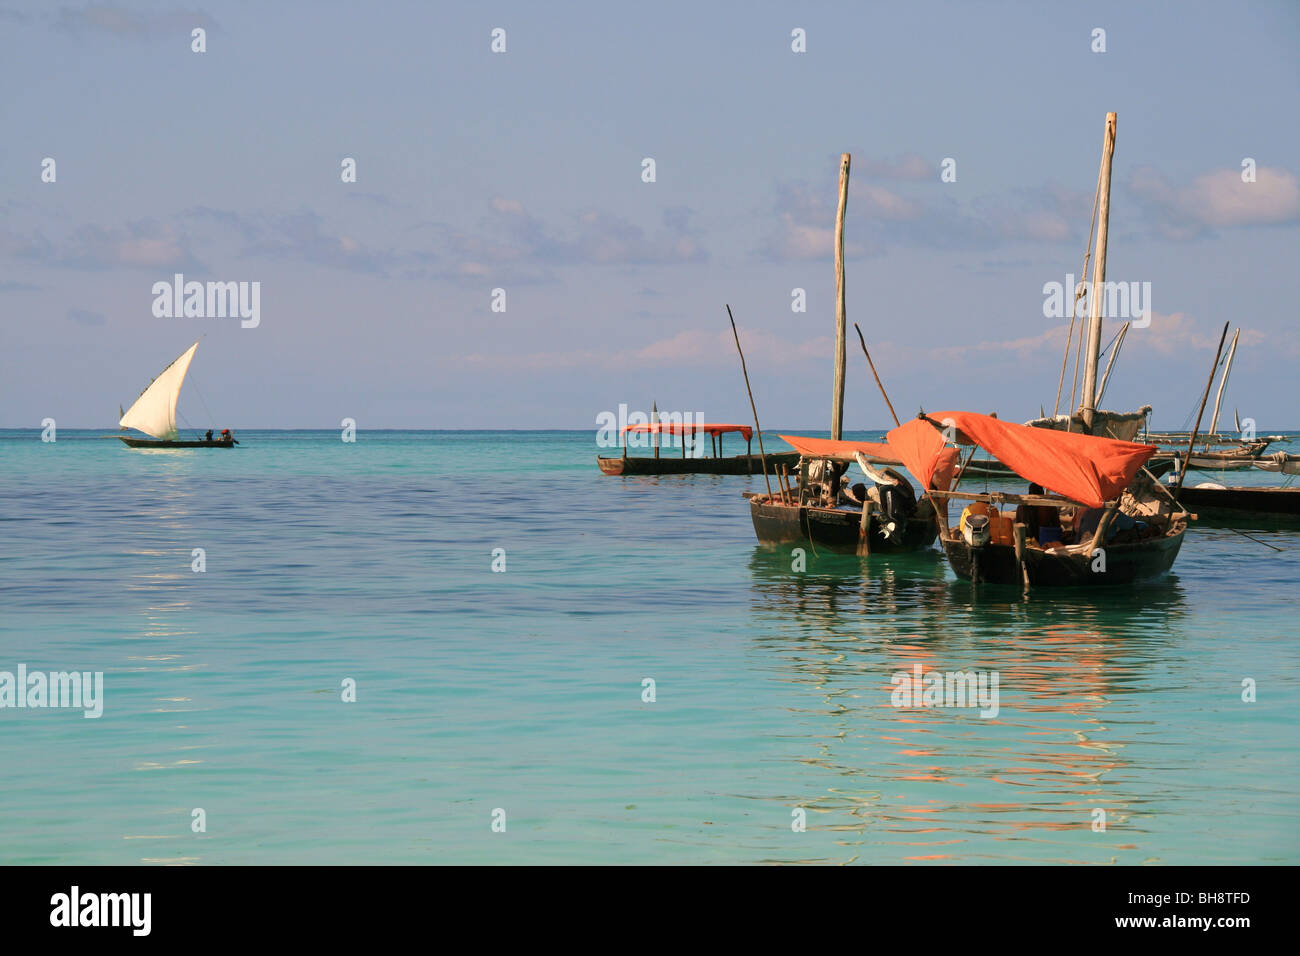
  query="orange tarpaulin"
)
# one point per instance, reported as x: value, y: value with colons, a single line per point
x: 878, y: 453
x: 842, y: 450
x: 925, y: 453
x: 1083, y: 468
x: 678, y: 428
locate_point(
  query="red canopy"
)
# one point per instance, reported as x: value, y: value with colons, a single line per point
x: 942, y: 460
x: 678, y: 428
x: 841, y: 450
x: 925, y: 453
x: 1083, y: 468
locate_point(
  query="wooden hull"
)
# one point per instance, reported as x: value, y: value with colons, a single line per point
x: 734, y: 465
x: 1125, y: 563
x: 155, y: 443
x: 1271, y: 505
x: 1203, y: 463
x: 833, y: 529
x: 1232, y: 459
x: 992, y: 468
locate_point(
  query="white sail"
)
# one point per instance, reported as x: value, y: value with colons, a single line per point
x: 154, y: 412
x: 1223, y: 383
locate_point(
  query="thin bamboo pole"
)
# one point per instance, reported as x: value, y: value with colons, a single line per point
x: 752, y: 406
x: 1182, y: 473
x: 877, y: 377
x: 1114, y: 354
x: 654, y: 417
x: 1065, y: 360
x: 1076, y: 293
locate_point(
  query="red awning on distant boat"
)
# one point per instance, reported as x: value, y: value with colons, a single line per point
x: 944, y: 460
x: 1083, y: 468
x: 678, y: 428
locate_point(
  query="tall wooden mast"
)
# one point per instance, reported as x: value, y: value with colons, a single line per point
x: 841, y: 319
x: 1097, y: 292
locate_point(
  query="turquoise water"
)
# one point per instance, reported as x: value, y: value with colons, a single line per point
x: 522, y: 690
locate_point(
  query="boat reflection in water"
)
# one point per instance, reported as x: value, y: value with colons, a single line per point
x: 941, y: 783
x: 159, y: 555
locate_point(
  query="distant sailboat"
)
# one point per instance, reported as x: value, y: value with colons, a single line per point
x: 154, y: 412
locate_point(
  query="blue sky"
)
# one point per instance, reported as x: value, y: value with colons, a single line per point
x: 522, y: 170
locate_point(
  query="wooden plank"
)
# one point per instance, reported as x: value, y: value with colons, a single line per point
x: 1020, y: 530
x: 864, y: 529
x: 1047, y: 501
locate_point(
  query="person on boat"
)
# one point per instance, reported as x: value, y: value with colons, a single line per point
x: 1123, y: 529
x: 1086, y: 524
x: 1042, y: 522
x: 1120, y: 525
x: 208, y: 436
x: 226, y: 436
x: 824, y: 476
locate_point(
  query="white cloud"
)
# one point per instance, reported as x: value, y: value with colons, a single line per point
x: 910, y: 166
x: 1218, y: 199
x: 684, y: 348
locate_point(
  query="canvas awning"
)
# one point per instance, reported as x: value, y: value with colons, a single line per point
x: 945, y: 459
x: 1083, y: 468
x: 841, y: 450
x: 679, y: 428
x: 925, y: 453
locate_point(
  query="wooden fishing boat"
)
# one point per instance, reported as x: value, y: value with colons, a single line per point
x: 820, y: 508
x: 1216, y: 452
x: 1241, y: 458
x: 690, y: 463
x: 1157, y: 464
x: 154, y: 412
x: 1242, y: 505
x: 156, y: 443
x: 1098, y: 520
x: 731, y: 465
x: 1092, y: 515
x: 778, y: 521
x: 1266, y: 505
x: 1125, y: 563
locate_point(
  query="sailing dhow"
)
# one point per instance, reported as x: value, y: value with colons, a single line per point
x: 154, y: 412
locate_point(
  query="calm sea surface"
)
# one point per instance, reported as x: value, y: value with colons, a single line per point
x: 522, y: 691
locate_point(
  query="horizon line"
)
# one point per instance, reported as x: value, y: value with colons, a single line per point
x: 113, y: 432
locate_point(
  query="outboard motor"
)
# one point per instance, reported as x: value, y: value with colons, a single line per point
x: 897, y: 501
x: 975, y: 529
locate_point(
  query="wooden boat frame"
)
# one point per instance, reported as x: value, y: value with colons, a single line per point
x: 717, y: 464
x: 1027, y: 563
x: 730, y: 465
x: 1262, y: 506
x: 160, y: 443
x: 789, y: 517
x: 1158, y: 465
